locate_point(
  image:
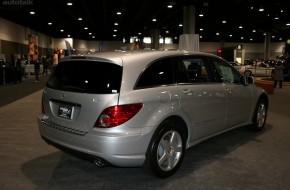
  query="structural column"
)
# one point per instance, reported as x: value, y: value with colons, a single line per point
x: 155, y: 39
x: 189, y: 20
x: 267, y: 45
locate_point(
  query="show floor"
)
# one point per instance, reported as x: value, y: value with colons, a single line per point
x: 237, y: 160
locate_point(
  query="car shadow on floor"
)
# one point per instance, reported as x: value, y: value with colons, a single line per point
x: 60, y: 170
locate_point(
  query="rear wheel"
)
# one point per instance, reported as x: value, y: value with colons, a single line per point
x: 260, y: 115
x: 166, y: 150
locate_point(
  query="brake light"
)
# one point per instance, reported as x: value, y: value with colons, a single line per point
x: 117, y: 115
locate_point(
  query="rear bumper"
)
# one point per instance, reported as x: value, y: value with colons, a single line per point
x: 123, y: 150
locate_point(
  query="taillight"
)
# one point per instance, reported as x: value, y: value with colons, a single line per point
x: 117, y: 115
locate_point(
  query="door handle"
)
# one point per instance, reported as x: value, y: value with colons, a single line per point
x: 187, y: 91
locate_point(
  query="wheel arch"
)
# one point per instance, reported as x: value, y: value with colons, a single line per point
x: 179, y: 120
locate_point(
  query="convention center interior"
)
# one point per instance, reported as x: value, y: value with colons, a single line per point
x: 99, y: 94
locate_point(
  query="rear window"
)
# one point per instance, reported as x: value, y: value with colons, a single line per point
x: 87, y: 77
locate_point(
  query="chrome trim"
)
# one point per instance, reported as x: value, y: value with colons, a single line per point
x: 62, y: 128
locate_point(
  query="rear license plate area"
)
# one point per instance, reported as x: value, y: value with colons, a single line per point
x: 65, y: 111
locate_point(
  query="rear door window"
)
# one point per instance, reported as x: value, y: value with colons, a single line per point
x: 159, y: 73
x: 87, y: 77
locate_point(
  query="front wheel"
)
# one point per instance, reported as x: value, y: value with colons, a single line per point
x: 260, y: 115
x: 166, y: 150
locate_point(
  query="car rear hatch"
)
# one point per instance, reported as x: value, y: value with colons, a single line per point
x: 77, y: 92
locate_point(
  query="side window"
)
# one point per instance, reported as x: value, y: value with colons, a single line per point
x: 196, y: 69
x: 157, y: 74
x: 227, y: 73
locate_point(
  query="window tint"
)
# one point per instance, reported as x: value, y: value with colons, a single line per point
x: 158, y: 73
x: 87, y: 77
x: 196, y: 69
x: 227, y: 73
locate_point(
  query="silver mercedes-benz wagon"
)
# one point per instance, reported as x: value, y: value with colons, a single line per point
x: 145, y: 108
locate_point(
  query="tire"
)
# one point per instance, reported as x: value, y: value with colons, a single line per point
x: 166, y: 150
x: 260, y: 115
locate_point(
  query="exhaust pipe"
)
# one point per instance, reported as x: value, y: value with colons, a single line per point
x: 99, y: 162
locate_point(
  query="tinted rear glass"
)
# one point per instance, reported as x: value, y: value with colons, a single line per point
x: 87, y: 77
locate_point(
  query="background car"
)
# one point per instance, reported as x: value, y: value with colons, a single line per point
x: 145, y: 108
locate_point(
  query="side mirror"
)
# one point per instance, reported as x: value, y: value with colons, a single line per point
x: 248, y: 80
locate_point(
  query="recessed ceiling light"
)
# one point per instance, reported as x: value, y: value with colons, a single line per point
x: 86, y: 28
x: 119, y: 13
x: 80, y: 18
x: 49, y: 23
x: 61, y: 30
x: 69, y: 4
x: 32, y: 12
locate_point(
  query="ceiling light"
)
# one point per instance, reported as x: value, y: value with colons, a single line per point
x: 224, y: 21
x: 240, y: 26
x: 32, y: 12
x: 90, y: 33
x: 119, y: 13
x: 49, y: 23
x: 69, y: 3
x: 154, y: 20
x: 116, y: 24
x: 169, y: 6
x: 180, y: 25
x: 261, y: 9
x: 80, y: 18
x: 200, y: 14
x: 61, y: 30
x: 68, y: 36
x: 86, y: 28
